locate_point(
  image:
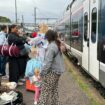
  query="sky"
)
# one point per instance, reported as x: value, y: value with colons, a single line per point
x: 45, y: 8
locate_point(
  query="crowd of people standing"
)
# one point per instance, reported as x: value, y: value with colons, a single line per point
x: 16, y: 64
x: 52, y: 68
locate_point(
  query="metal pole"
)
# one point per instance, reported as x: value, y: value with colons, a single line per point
x: 47, y: 20
x: 71, y: 23
x: 23, y: 22
x: 70, y: 27
x: 15, y: 11
x: 22, y: 19
x: 35, y: 17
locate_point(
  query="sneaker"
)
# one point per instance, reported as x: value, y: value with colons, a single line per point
x: 22, y: 80
x: 35, y: 103
x: 5, y: 77
x: 20, y: 83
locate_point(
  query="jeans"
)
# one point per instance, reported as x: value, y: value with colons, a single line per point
x: 2, y: 65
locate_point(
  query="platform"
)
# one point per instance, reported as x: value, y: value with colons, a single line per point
x: 69, y: 92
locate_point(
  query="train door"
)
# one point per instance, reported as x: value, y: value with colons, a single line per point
x: 85, y: 55
x: 93, y: 62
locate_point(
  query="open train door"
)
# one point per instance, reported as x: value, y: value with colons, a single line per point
x: 93, y: 62
x: 86, y: 18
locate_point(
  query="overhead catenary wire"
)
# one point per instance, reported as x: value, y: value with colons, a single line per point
x: 42, y: 15
x: 45, y: 13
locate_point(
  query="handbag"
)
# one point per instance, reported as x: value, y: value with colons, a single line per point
x: 25, y: 50
x: 9, y: 50
x: 14, y: 51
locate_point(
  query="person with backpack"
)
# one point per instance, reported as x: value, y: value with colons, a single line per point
x: 3, y: 40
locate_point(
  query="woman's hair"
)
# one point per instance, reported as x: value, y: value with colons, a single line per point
x: 11, y: 27
x: 53, y: 36
x: 3, y: 27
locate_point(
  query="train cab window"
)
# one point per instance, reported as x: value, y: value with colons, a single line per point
x: 94, y: 25
x: 86, y: 26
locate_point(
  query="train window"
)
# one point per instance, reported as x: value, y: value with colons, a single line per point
x: 86, y: 26
x: 94, y: 25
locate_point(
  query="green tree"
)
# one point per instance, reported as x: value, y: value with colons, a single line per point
x: 4, y: 20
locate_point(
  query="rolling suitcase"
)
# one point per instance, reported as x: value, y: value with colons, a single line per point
x: 29, y: 86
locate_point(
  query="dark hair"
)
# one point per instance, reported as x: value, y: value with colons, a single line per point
x: 3, y: 27
x: 53, y: 36
x: 50, y: 35
x: 60, y: 35
x: 11, y: 27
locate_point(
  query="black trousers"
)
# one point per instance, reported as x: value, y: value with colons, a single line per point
x: 22, y: 65
x: 3, y: 60
x: 17, y: 68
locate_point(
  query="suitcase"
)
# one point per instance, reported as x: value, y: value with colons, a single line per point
x: 29, y: 86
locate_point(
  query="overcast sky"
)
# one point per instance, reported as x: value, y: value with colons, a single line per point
x: 45, y: 8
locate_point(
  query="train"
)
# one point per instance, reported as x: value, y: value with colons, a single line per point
x: 83, y: 26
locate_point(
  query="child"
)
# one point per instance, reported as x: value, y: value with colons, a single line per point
x: 33, y: 70
x: 37, y: 82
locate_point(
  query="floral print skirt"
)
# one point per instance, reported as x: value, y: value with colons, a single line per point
x: 49, y: 90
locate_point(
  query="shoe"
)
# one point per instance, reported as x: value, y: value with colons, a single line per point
x: 5, y: 77
x: 22, y: 79
x: 20, y: 83
x: 35, y: 103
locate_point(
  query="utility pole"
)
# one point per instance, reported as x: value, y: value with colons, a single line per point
x: 47, y: 20
x: 23, y: 22
x: 35, y: 17
x: 16, y: 11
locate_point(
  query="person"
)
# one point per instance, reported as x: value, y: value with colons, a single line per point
x: 53, y: 67
x: 3, y: 41
x: 17, y: 65
x: 24, y: 58
x: 41, y: 44
x: 33, y: 70
x: 37, y: 82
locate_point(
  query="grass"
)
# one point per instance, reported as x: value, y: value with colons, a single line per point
x: 94, y: 100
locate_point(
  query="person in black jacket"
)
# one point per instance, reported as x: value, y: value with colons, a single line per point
x: 16, y: 64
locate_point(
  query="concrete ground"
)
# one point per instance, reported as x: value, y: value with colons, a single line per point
x: 69, y: 92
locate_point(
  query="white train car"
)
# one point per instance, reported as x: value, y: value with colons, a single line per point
x: 84, y: 28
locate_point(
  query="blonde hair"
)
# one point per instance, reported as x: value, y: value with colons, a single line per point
x: 33, y: 52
